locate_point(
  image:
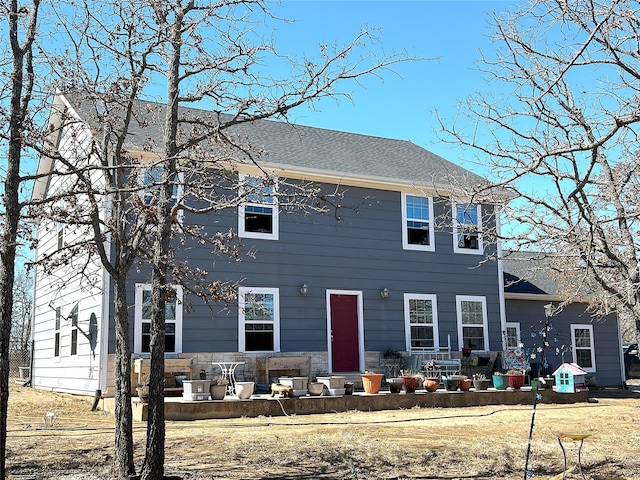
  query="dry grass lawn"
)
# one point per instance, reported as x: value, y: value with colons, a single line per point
x: 421, y: 443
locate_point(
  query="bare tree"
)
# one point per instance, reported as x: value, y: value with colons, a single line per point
x: 21, y: 323
x: 206, y: 55
x: 560, y: 131
x: 19, y: 76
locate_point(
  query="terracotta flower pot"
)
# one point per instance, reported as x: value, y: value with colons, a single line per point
x: 371, y: 382
x: 465, y: 384
x: 431, y: 384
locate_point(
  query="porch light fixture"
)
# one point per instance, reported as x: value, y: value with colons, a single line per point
x: 384, y: 293
x: 548, y: 310
x: 304, y: 290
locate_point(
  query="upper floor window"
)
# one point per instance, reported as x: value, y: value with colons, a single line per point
x: 150, y: 179
x: 173, y: 320
x: 472, y: 322
x: 259, y: 319
x: 467, y: 226
x: 421, y: 321
x: 258, y: 213
x: 417, y: 213
x: 583, y: 349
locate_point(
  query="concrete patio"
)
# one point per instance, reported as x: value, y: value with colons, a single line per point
x: 176, y: 408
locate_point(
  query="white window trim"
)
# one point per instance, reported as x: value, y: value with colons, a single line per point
x: 177, y: 196
x: 456, y: 248
x: 485, y: 323
x: 57, y: 312
x: 242, y: 291
x: 515, y: 325
x: 405, y: 236
x: 574, y: 327
x: 137, y: 340
x: 77, y: 330
x: 407, y: 318
x: 275, y: 216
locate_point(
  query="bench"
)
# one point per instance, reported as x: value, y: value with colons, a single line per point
x: 172, y: 366
x: 287, y: 365
x: 437, y: 362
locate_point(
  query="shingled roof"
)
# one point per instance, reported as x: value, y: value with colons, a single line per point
x: 527, y: 273
x: 311, y: 149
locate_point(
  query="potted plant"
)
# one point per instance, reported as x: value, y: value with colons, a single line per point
x: 452, y: 382
x: 500, y: 380
x: 395, y: 384
x: 179, y: 378
x: 218, y: 388
x: 465, y: 384
x: 480, y: 382
x: 371, y: 382
x: 431, y: 384
x: 244, y: 390
x: 515, y: 378
x: 410, y: 381
x: 143, y: 390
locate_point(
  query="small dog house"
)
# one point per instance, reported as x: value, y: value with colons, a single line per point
x: 570, y: 378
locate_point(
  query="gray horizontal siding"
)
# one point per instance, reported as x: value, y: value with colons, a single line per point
x: 362, y: 251
x: 530, y: 314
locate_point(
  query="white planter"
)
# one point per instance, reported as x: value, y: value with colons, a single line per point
x: 195, y: 387
x: 244, y: 390
x: 296, y: 383
x: 316, y: 388
x: 333, y: 382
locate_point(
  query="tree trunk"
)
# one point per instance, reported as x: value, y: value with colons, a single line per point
x: 21, y: 88
x: 123, y: 457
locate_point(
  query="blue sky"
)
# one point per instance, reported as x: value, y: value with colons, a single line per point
x: 449, y: 32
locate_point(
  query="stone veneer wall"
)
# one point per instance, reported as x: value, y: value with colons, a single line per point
x: 249, y: 372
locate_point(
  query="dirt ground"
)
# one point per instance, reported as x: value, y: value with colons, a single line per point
x: 56, y: 436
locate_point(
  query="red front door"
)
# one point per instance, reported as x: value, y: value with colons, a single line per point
x: 344, y: 333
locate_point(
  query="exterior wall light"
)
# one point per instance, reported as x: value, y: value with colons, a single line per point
x: 384, y: 293
x: 548, y: 310
x: 304, y: 290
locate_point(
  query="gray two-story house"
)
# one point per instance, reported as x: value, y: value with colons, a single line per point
x: 404, y: 259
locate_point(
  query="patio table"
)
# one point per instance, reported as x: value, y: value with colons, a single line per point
x: 228, y: 371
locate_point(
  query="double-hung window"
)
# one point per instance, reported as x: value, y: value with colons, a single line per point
x: 56, y: 332
x: 417, y: 219
x: 258, y: 212
x: 421, y: 321
x: 173, y: 319
x: 151, y: 179
x: 583, y: 350
x: 467, y: 226
x: 259, y: 319
x: 60, y: 235
x: 512, y: 334
x: 74, y: 330
x: 472, y: 322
